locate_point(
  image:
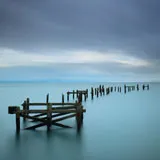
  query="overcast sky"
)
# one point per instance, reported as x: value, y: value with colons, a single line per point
x: 99, y: 40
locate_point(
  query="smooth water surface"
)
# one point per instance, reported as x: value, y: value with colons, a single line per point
x: 117, y: 126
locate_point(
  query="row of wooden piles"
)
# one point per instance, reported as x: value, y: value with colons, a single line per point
x: 101, y: 90
x: 56, y: 112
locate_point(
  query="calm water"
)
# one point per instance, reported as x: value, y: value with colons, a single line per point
x: 116, y: 127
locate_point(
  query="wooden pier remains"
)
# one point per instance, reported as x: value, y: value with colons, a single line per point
x: 50, y: 116
x: 53, y: 113
x: 77, y: 93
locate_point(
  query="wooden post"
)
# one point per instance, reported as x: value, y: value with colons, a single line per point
x: 137, y: 87
x: 92, y: 93
x: 18, y: 119
x: 115, y: 88
x: 119, y: 89
x: 73, y: 94
x: 85, y: 96
x: 87, y: 92
x: 25, y: 110
x: 143, y: 87
x: 49, y: 116
x: 97, y: 93
x: 125, y: 89
x: 103, y: 90
x: 27, y: 105
x: 47, y: 98
x: 80, y: 98
x: 79, y: 117
x: 67, y: 96
x: 77, y: 93
x: 100, y: 89
x: 62, y: 98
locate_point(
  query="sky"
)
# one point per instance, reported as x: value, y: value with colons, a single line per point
x: 80, y: 40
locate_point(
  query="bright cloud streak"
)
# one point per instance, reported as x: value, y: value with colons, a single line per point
x: 9, y: 58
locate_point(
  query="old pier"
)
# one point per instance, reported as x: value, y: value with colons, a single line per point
x: 53, y: 112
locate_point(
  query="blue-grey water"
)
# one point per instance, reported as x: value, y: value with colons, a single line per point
x: 116, y: 127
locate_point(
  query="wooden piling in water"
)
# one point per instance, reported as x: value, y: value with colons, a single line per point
x: 62, y: 98
x: 25, y: 110
x: 49, y: 116
x: 73, y: 94
x: 47, y: 98
x: 67, y: 96
x: 92, y: 92
x: 27, y: 106
x: 125, y: 89
x: 97, y: 93
x: 18, y: 119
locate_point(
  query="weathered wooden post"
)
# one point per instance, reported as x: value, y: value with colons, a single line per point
x: 62, y: 98
x: 115, y: 88
x: 137, y: 87
x: 87, y: 92
x: 80, y: 98
x: 73, y: 94
x: 100, y: 89
x: 92, y: 93
x: 68, y: 96
x: 119, y: 89
x: 97, y: 93
x: 143, y: 87
x: 77, y: 93
x: 18, y: 119
x: 111, y: 89
x: 148, y: 87
x: 79, y: 117
x: 103, y: 90
x: 27, y: 105
x: 25, y: 110
x: 47, y: 98
x: 49, y: 116
x: 85, y: 96
x: 125, y: 89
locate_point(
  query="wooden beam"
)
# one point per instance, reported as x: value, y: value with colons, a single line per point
x: 61, y: 125
x: 54, y: 104
x: 36, y: 126
x: 53, y: 111
x: 53, y: 116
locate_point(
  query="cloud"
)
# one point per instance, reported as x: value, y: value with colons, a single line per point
x: 10, y: 57
x: 100, y: 37
x: 131, y: 26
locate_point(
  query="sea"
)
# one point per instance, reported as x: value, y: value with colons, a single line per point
x: 117, y: 126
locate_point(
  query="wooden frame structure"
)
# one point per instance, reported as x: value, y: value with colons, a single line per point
x: 49, y: 116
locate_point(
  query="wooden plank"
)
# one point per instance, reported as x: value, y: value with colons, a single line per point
x: 34, y: 118
x: 53, y: 111
x: 63, y: 118
x: 35, y: 126
x: 61, y: 125
x: 44, y: 104
x: 38, y: 115
x: 53, y: 116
